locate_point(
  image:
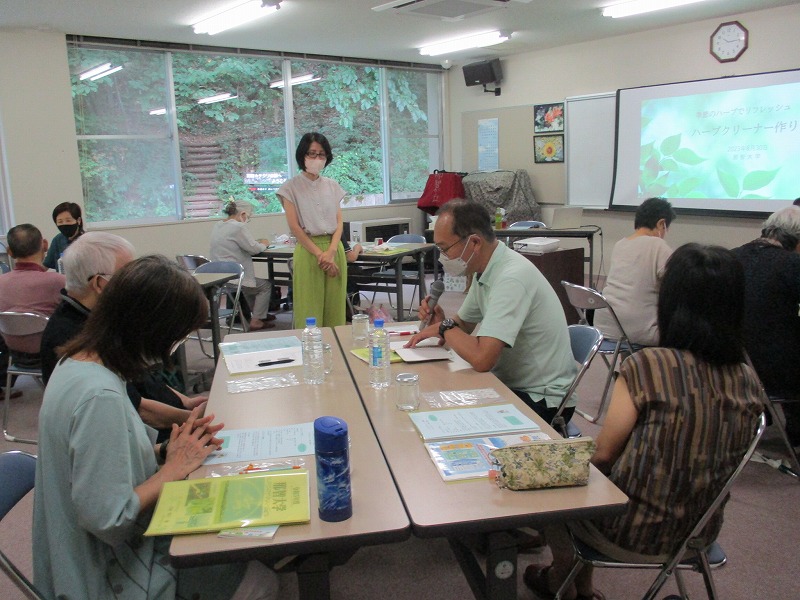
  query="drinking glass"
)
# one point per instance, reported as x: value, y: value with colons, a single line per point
x: 360, y: 330
x: 327, y: 358
x: 407, y: 391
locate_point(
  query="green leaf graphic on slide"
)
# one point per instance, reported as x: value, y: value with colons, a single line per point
x: 660, y: 168
x: 753, y: 180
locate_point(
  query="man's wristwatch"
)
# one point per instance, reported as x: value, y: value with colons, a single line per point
x: 445, y: 325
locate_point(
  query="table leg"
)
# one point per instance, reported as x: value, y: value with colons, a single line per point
x: 213, y: 302
x: 499, y: 579
x: 398, y: 276
x: 313, y: 577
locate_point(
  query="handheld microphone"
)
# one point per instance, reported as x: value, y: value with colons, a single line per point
x: 437, y: 288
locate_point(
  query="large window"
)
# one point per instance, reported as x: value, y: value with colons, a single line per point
x: 171, y: 135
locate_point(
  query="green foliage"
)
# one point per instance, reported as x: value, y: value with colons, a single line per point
x: 122, y: 181
x: 660, y: 168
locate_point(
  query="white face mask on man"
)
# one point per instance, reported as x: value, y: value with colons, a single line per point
x: 315, y: 165
x: 455, y: 267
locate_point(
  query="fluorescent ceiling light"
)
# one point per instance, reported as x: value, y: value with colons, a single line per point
x: 94, y: 71
x: 637, y: 7
x: 104, y: 73
x: 474, y: 41
x: 217, y: 98
x: 233, y: 17
x: 295, y: 80
x: 158, y: 111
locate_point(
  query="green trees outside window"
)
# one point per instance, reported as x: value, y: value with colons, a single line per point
x: 171, y: 135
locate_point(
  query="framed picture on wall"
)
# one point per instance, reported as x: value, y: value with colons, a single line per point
x: 548, y: 149
x: 548, y: 118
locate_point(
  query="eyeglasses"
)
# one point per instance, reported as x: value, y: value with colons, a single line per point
x: 106, y: 276
x: 316, y: 155
x: 445, y: 250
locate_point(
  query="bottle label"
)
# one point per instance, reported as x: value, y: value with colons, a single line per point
x: 377, y: 355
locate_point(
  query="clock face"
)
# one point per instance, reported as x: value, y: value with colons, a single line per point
x: 729, y: 41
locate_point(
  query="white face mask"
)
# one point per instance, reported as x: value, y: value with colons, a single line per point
x: 456, y: 267
x: 315, y: 165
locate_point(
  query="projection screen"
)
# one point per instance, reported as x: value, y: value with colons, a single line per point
x: 730, y: 145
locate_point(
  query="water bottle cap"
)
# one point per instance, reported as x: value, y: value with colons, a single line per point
x: 311, y: 321
x: 378, y: 323
x: 330, y: 434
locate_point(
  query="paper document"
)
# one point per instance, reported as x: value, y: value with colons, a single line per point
x: 258, y: 444
x: 252, y: 356
x: 465, y: 422
x: 469, y: 458
x: 428, y: 349
x: 217, y: 503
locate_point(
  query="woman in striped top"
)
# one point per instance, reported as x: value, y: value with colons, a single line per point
x: 681, y: 417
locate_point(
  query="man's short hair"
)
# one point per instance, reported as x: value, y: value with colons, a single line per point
x: 651, y: 211
x: 24, y: 240
x: 783, y: 226
x: 469, y: 218
x: 92, y: 253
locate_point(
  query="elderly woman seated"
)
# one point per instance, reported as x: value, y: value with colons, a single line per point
x: 682, y: 413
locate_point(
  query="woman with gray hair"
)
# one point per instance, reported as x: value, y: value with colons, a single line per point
x: 232, y: 241
x: 771, y: 323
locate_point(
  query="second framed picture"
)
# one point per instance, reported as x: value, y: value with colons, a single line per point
x: 548, y: 149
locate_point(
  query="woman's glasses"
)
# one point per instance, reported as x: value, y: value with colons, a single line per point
x: 316, y: 155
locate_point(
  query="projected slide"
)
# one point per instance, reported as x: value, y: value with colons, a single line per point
x: 727, y: 145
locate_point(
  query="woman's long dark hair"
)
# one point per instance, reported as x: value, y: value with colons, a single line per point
x: 147, y: 306
x: 701, y: 303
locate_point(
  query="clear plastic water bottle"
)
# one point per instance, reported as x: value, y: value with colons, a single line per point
x: 313, y: 361
x: 380, y: 369
x: 60, y: 263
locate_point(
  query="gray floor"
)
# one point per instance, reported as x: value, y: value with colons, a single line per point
x: 760, y: 535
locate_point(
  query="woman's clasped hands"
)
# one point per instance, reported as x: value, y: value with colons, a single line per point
x: 327, y: 262
x: 191, y: 443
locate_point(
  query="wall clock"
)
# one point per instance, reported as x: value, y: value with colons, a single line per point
x: 729, y: 41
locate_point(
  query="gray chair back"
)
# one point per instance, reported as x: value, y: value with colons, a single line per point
x: 18, y: 474
x: 407, y: 238
x: 191, y: 261
x: 527, y: 225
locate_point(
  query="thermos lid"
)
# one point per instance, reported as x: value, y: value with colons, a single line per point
x: 330, y: 434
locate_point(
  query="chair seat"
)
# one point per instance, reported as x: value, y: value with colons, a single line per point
x: 715, y: 553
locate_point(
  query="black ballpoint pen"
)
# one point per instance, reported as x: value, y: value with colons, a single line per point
x: 277, y: 361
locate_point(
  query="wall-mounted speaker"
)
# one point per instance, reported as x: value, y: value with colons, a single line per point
x: 481, y: 73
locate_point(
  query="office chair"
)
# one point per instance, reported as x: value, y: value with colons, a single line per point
x: 387, y: 276
x: 585, y: 341
x: 18, y: 474
x: 21, y: 332
x: 704, y: 559
x: 583, y: 299
x: 4, y: 268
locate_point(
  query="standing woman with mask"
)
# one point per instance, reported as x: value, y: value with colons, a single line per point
x: 314, y: 214
x: 68, y: 218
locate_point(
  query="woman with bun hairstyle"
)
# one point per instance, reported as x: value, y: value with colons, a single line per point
x: 314, y: 214
x: 232, y: 241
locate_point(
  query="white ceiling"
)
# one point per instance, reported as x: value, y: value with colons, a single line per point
x: 349, y: 28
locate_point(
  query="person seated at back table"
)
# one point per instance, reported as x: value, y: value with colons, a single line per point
x: 523, y: 337
x: 771, y: 321
x: 232, y: 241
x: 92, y: 260
x: 29, y: 287
x: 681, y: 418
x: 637, y: 263
x: 69, y: 220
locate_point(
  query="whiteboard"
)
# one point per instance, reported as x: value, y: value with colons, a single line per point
x: 590, y: 145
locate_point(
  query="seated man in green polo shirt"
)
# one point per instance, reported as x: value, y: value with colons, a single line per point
x: 523, y: 337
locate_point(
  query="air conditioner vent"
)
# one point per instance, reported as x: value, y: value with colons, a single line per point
x: 446, y: 10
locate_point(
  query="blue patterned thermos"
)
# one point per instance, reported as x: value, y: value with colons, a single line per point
x: 333, y: 469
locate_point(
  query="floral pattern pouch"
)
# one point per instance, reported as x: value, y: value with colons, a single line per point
x: 543, y: 464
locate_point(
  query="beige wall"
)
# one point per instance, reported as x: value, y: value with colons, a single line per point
x: 663, y: 56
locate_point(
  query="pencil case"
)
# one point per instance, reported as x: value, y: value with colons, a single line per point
x: 543, y: 464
